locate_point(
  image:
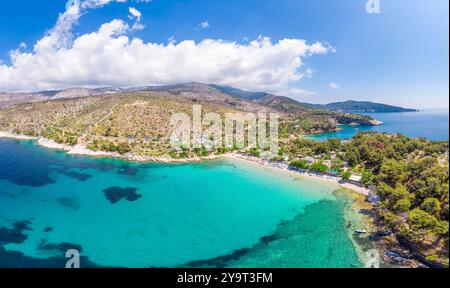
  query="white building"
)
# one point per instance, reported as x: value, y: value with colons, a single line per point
x: 355, y: 179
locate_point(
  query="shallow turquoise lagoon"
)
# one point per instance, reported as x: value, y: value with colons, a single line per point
x: 119, y: 214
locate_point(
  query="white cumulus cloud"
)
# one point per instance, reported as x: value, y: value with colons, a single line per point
x: 135, y: 13
x: 334, y: 86
x: 109, y: 57
x: 204, y: 25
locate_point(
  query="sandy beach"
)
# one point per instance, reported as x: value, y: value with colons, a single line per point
x: 361, y: 190
x: 279, y: 167
x: 83, y: 150
x: 282, y: 167
x: 80, y: 149
x: 15, y: 136
x: 286, y: 168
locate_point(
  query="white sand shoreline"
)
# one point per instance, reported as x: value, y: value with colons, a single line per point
x: 336, y: 181
x: 279, y: 167
x: 10, y: 135
x: 282, y: 168
x: 285, y: 168
x: 84, y: 151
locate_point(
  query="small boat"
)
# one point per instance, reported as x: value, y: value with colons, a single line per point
x: 360, y: 231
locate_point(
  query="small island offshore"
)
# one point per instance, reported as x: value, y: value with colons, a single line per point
x: 400, y: 183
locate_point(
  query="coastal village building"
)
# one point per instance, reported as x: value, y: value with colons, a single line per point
x: 328, y: 163
x: 355, y: 179
x: 177, y: 149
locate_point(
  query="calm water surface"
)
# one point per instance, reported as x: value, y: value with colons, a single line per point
x: 217, y: 214
x: 431, y: 124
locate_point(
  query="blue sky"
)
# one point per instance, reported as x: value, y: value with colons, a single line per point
x: 399, y: 56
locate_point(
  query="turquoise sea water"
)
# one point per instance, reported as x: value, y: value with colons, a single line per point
x: 224, y: 213
x: 431, y: 124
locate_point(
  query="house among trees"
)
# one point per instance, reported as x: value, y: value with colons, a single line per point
x: 355, y: 179
x: 177, y: 149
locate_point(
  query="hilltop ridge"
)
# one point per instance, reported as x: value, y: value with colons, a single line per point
x: 138, y: 119
x: 360, y: 107
x: 200, y: 91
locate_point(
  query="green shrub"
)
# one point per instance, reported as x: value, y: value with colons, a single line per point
x: 301, y: 164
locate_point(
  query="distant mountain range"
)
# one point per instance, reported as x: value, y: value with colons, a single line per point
x: 82, y: 115
x: 359, y: 107
x: 240, y: 93
x: 347, y: 106
x: 266, y: 99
